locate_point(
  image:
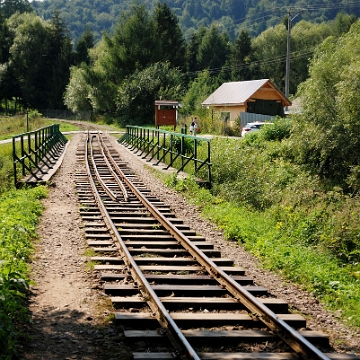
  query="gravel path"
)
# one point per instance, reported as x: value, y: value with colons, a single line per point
x: 71, y: 318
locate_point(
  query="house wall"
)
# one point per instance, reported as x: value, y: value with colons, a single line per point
x: 233, y: 110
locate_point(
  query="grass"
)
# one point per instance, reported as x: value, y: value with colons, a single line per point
x: 6, y: 167
x: 14, y: 125
x: 19, y: 213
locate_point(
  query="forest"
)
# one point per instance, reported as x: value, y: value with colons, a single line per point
x: 147, y: 56
x: 231, y: 15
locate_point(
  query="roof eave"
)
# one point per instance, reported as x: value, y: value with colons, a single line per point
x: 224, y: 104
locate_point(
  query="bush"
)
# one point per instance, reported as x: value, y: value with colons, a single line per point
x: 281, y: 129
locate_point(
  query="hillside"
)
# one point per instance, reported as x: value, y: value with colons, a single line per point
x: 231, y: 15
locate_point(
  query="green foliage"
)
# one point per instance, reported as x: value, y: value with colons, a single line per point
x: 33, y: 114
x: 137, y: 94
x: 83, y: 46
x: 279, y: 130
x: 241, y: 56
x: 325, y: 137
x: 214, y: 49
x: 171, y: 44
x: 198, y: 90
x: 77, y: 95
x: 6, y: 167
x: 10, y: 7
x: 231, y: 15
x: 19, y: 213
x: 181, y: 145
x: 36, y: 69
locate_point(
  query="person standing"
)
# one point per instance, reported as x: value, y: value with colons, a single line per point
x: 191, y: 129
x: 196, y: 126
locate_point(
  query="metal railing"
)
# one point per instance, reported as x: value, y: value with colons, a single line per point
x: 35, y: 152
x: 183, y: 152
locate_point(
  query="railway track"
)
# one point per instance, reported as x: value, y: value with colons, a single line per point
x: 174, y: 295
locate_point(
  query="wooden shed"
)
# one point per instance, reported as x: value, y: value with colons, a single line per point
x: 166, y: 112
x: 255, y: 96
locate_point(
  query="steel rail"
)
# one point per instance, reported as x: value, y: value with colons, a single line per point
x: 171, y: 330
x: 101, y: 181
x: 106, y: 154
x: 279, y: 327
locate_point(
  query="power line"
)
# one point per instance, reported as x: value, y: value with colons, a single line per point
x: 270, y: 13
x: 274, y: 60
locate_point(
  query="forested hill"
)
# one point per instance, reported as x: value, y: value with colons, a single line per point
x: 231, y: 15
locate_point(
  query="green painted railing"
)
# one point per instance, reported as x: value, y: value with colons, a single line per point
x: 35, y: 152
x: 183, y: 152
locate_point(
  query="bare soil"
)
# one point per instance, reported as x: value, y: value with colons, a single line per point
x: 71, y: 316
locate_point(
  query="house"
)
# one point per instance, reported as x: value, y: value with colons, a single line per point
x: 254, y: 97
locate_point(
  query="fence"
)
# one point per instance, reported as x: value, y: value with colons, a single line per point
x: 183, y: 152
x: 35, y: 152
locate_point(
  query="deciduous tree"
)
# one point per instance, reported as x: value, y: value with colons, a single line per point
x: 136, y: 96
x: 326, y: 137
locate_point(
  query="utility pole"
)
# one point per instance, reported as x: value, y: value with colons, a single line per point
x: 287, y: 77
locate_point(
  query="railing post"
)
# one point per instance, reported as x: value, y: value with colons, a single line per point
x: 14, y: 157
x: 209, y: 163
x: 195, y: 155
x: 22, y: 155
x: 156, y: 146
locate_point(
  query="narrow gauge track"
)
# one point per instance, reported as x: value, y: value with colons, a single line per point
x: 173, y: 292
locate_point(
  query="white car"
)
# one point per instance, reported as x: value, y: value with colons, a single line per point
x: 254, y: 126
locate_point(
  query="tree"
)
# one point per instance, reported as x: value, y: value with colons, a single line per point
x: 77, y: 94
x: 5, y: 41
x: 136, y: 96
x: 269, y: 50
x: 133, y: 46
x: 343, y: 22
x: 214, y: 49
x: 10, y: 7
x: 193, y: 50
x: 27, y: 62
x: 305, y: 37
x: 241, y: 56
x: 200, y: 88
x: 59, y: 59
x: 171, y: 44
x: 39, y: 61
x: 85, y: 43
x: 326, y: 137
